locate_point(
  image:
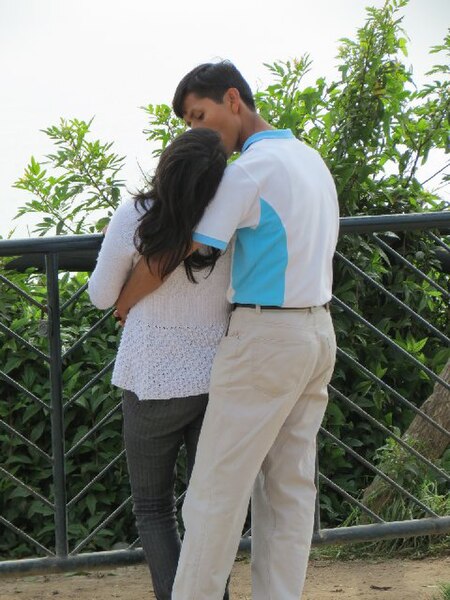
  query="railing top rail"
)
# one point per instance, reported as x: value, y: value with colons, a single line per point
x: 409, y: 222
x: 359, y: 224
x: 51, y: 244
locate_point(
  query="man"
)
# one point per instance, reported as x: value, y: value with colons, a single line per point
x: 268, y: 390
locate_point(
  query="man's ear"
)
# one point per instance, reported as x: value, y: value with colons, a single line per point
x: 233, y: 97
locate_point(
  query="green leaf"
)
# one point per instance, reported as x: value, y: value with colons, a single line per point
x: 91, y: 503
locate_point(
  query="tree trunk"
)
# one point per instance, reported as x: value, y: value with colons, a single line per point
x: 422, y: 436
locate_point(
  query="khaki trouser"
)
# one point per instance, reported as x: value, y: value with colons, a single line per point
x: 267, y: 399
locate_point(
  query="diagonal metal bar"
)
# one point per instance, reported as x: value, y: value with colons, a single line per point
x: 79, y: 342
x: 351, y: 499
x: 100, y: 526
x: 26, y: 487
x: 23, y: 341
x: 378, y: 471
x: 403, y: 260
x: 391, y: 296
x: 22, y: 292
x: 25, y: 536
x: 391, y: 343
x: 96, y: 427
x: 25, y: 440
x: 391, y: 434
x: 74, y: 297
x: 82, y: 492
x: 391, y: 391
x: 90, y: 384
x: 22, y: 389
x: 180, y: 499
x: 438, y: 241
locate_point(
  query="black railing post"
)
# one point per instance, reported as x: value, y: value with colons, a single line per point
x: 57, y: 413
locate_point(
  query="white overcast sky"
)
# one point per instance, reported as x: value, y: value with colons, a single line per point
x: 80, y: 58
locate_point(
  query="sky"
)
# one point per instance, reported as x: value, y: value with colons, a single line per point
x: 107, y: 58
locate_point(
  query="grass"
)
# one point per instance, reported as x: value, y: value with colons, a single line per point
x: 415, y: 549
x: 444, y: 592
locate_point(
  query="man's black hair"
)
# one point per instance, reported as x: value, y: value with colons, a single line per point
x: 212, y: 80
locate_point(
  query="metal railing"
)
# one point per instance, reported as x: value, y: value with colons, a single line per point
x: 52, y: 255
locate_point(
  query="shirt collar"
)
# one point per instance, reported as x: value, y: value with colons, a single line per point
x: 267, y: 134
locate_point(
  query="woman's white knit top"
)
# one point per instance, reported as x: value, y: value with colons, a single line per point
x: 171, y: 336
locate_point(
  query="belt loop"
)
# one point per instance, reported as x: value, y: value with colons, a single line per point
x: 258, y: 308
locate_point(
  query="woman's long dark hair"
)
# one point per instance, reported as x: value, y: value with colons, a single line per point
x: 186, y: 178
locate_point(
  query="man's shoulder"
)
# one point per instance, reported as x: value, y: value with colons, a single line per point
x: 249, y: 163
x: 237, y: 173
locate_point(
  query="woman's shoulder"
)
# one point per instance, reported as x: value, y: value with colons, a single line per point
x: 131, y: 208
x: 128, y: 214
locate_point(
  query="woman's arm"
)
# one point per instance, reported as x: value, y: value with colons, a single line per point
x: 142, y: 282
x: 115, y: 258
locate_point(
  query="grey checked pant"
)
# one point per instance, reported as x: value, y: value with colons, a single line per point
x: 154, y: 431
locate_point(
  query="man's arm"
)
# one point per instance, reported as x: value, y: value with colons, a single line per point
x: 141, y: 283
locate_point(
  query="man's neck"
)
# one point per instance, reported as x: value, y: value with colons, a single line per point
x: 252, y: 123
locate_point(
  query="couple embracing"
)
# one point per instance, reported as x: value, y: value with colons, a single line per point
x: 222, y: 276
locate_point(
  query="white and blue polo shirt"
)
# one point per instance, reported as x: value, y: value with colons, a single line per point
x: 280, y: 200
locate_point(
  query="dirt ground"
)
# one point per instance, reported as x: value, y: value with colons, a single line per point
x: 326, y: 580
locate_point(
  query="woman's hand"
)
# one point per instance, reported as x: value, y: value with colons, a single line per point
x: 120, y: 320
x: 121, y: 312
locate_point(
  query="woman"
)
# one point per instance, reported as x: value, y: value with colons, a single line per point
x: 170, y: 337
